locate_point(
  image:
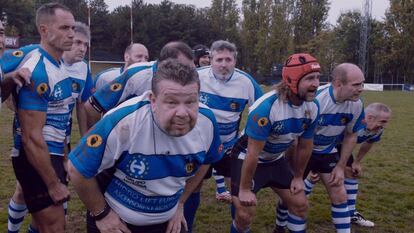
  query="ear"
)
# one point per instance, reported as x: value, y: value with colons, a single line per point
x: 43, y: 29
x: 126, y: 57
x: 153, y: 99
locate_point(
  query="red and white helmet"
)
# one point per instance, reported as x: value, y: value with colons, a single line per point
x: 296, y: 67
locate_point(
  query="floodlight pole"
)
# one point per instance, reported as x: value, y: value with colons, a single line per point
x: 132, y: 24
x: 89, y: 24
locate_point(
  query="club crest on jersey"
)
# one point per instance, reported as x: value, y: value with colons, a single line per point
x: 344, y: 120
x: 75, y: 86
x: 307, y: 114
x: 234, y: 106
x: 262, y: 121
x: 189, y: 167
x: 94, y: 140
x: 203, y: 99
x: 18, y: 53
x: 277, y: 128
x: 304, y: 126
x: 138, y: 167
x: 42, y: 88
x: 116, y: 87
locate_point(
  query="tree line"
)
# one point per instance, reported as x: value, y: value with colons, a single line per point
x: 266, y: 32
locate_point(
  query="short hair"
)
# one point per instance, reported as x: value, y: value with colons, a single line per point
x: 375, y: 109
x: 173, y: 70
x: 339, y: 73
x: 174, y: 49
x: 46, y: 10
x: 82, y: 29
x: 221, y: 45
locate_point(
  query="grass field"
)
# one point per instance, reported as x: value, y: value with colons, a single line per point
x: 386, y: 188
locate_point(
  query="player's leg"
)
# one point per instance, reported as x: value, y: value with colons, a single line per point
x: 17, y: 210
x: 339, y: 205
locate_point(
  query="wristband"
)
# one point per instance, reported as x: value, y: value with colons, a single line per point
x: 102, y: 214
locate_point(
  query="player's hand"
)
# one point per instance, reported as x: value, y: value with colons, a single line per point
x: 22, y: 77
x: 177, y: 221
x: 59, y: 193
x: 356, y: 169
x: 337, y: 176
x: 247, y: 198
x: 297, y: 185
x: 112, y: 224
x: 313, y: 177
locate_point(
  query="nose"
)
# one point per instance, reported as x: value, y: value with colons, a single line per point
x: 181, y: 111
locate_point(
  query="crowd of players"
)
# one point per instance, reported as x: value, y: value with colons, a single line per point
x: 153, y: 130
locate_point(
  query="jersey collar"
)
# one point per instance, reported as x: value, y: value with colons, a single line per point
x: 50, y: 58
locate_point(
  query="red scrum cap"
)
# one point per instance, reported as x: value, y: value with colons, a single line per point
x: 296, y: 67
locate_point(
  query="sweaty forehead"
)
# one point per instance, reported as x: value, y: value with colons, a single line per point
x: 168, y: 87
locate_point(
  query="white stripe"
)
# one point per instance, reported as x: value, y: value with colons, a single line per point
x: 344, y: 220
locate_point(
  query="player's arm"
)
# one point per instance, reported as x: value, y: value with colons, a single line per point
x: 348, y: 144
x: 92, y: 115
x: 178, y: 220
x: 82, y: 118
x: 37, y: 152
x: 248, y: 170
x: 363, y: 150
x: 18, y: 78
x: 299, y: 162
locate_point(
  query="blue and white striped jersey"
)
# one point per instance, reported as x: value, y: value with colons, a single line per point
x: 279, y: 123
x: 151, y: 166
x: 106, y: 76
x: 228, y: 99
x: 82, y: 86
x: 365, y: 135
x: 335, y: 119
x: 50, y: 91
x: 133, y: 82
x: 13, y: 58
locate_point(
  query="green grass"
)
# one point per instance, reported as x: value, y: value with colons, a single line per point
x: 386, y: 188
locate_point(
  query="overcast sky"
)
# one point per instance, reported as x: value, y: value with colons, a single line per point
x: 337, y: 6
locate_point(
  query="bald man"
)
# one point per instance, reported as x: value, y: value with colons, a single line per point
x: 134, y: 53
x: 341, y: 115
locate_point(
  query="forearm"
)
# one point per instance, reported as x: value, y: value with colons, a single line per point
x: 91, y: 114
x: 192, y: 183
x: 7, y: 86
x: 247, y: 171
x: 87, y: 190
x: 38, y: 156
x: 301, y: 158
x: 82, y: 118
x: 363, y: 150
x: 348, y: 145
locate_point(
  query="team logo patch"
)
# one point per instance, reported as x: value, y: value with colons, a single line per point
x: 304, y: 126
x: 75, y: 86
x: 344, y: 120
x: 116, y: 87
x: 18, y: 53
x: 262, y: 121
x: 189, y: 167
x: 307, y: 114
x: 42, y: 88
x: 138, y: 167
x: 94, y: 140
x: 234, y: 106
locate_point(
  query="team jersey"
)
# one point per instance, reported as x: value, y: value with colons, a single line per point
x: 335, y: 119
x: 365, y: 135
x: 50, y: 91
x: 228, y: 99
x: 13, y: 58
x: 133, y: 82
x: 82, y: 86
x: 279, y: 123
x: 107, y: 76
x: 151, y: 167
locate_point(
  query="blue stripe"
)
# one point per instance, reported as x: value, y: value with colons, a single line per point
x: 228, y: 104
x: 335, y: 119
x: 151, y: 167
x: 228, y: 128
x: 322, y: 140
x: 16, y: 220
x: 295, y: 221
x: 17, y: 210
x: 351, y: 202
x: 340, y: 214
x: 276, y: 148
x: 290, y: 125
x: 343, y: 226
x: 136, y: 201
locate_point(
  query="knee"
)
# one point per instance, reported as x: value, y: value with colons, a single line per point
x: 299, y: 208
x: 338, y: 195
x: 243, y: 219
x: 18, y: 196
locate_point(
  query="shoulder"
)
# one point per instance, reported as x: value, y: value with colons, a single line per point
x: 266, y: 100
